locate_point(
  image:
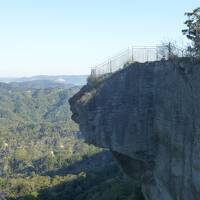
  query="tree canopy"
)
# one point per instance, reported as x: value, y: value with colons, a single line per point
x: 192, y: 31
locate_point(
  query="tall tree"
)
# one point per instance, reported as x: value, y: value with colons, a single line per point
x: 193, y: 31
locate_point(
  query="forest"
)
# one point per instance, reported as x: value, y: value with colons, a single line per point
x: 43, y: 154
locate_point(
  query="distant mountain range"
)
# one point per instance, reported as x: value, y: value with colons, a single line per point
x: 37, y: 99
x: 45, y: 80
x: 42, y: 84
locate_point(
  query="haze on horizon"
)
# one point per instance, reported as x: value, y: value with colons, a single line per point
x: 68, y: 37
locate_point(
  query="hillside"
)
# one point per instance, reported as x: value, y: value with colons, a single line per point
x: 27, y: 104
x: 41, y: 84
x: 42, y: 153
x: 33, y: 121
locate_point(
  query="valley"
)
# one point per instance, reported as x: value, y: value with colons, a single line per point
x: 43, y: 154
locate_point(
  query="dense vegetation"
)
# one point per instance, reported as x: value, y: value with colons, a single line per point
x: 192, y: 31
x: 43, y: 155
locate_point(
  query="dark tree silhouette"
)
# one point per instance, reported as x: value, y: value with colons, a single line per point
x: 192, y: 31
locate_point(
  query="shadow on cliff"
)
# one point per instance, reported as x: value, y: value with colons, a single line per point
x: 83, y: 187
x: 97, y: 177
x: 87, y: 164
x: 105, y: 184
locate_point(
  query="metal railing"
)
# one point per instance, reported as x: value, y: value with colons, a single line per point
x: 136, y: 54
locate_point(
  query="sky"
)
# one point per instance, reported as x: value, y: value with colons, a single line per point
x: 68, y: 37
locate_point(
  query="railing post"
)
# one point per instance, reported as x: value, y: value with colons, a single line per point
x: 132, y: 54
x: 182, y: 53
x: 128, y: 55
x: 156, y: 53
x: 110, y: 67
x: 170, y: 50
x: 147, y: 55
x: 93, y: 72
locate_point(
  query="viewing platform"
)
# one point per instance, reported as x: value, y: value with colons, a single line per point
x: 133, y: 54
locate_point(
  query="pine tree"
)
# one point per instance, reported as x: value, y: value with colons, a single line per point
x: 193, y: 31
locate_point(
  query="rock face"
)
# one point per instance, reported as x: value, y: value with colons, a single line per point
x: 148, y: 115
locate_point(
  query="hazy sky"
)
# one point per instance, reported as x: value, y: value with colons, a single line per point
x: 69, y: 36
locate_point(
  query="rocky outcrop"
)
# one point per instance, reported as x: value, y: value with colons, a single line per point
x: 148, y: 115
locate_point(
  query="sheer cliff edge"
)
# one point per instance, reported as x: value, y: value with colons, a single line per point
x: 148, y: 115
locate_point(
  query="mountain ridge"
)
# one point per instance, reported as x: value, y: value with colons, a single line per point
x: 69, y: 79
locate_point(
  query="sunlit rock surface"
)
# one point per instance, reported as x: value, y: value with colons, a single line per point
x: 148, y: 115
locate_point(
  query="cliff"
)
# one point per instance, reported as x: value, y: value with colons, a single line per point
x: 148, y: 115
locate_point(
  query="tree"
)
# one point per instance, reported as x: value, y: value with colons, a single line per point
x: 193, y: 31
